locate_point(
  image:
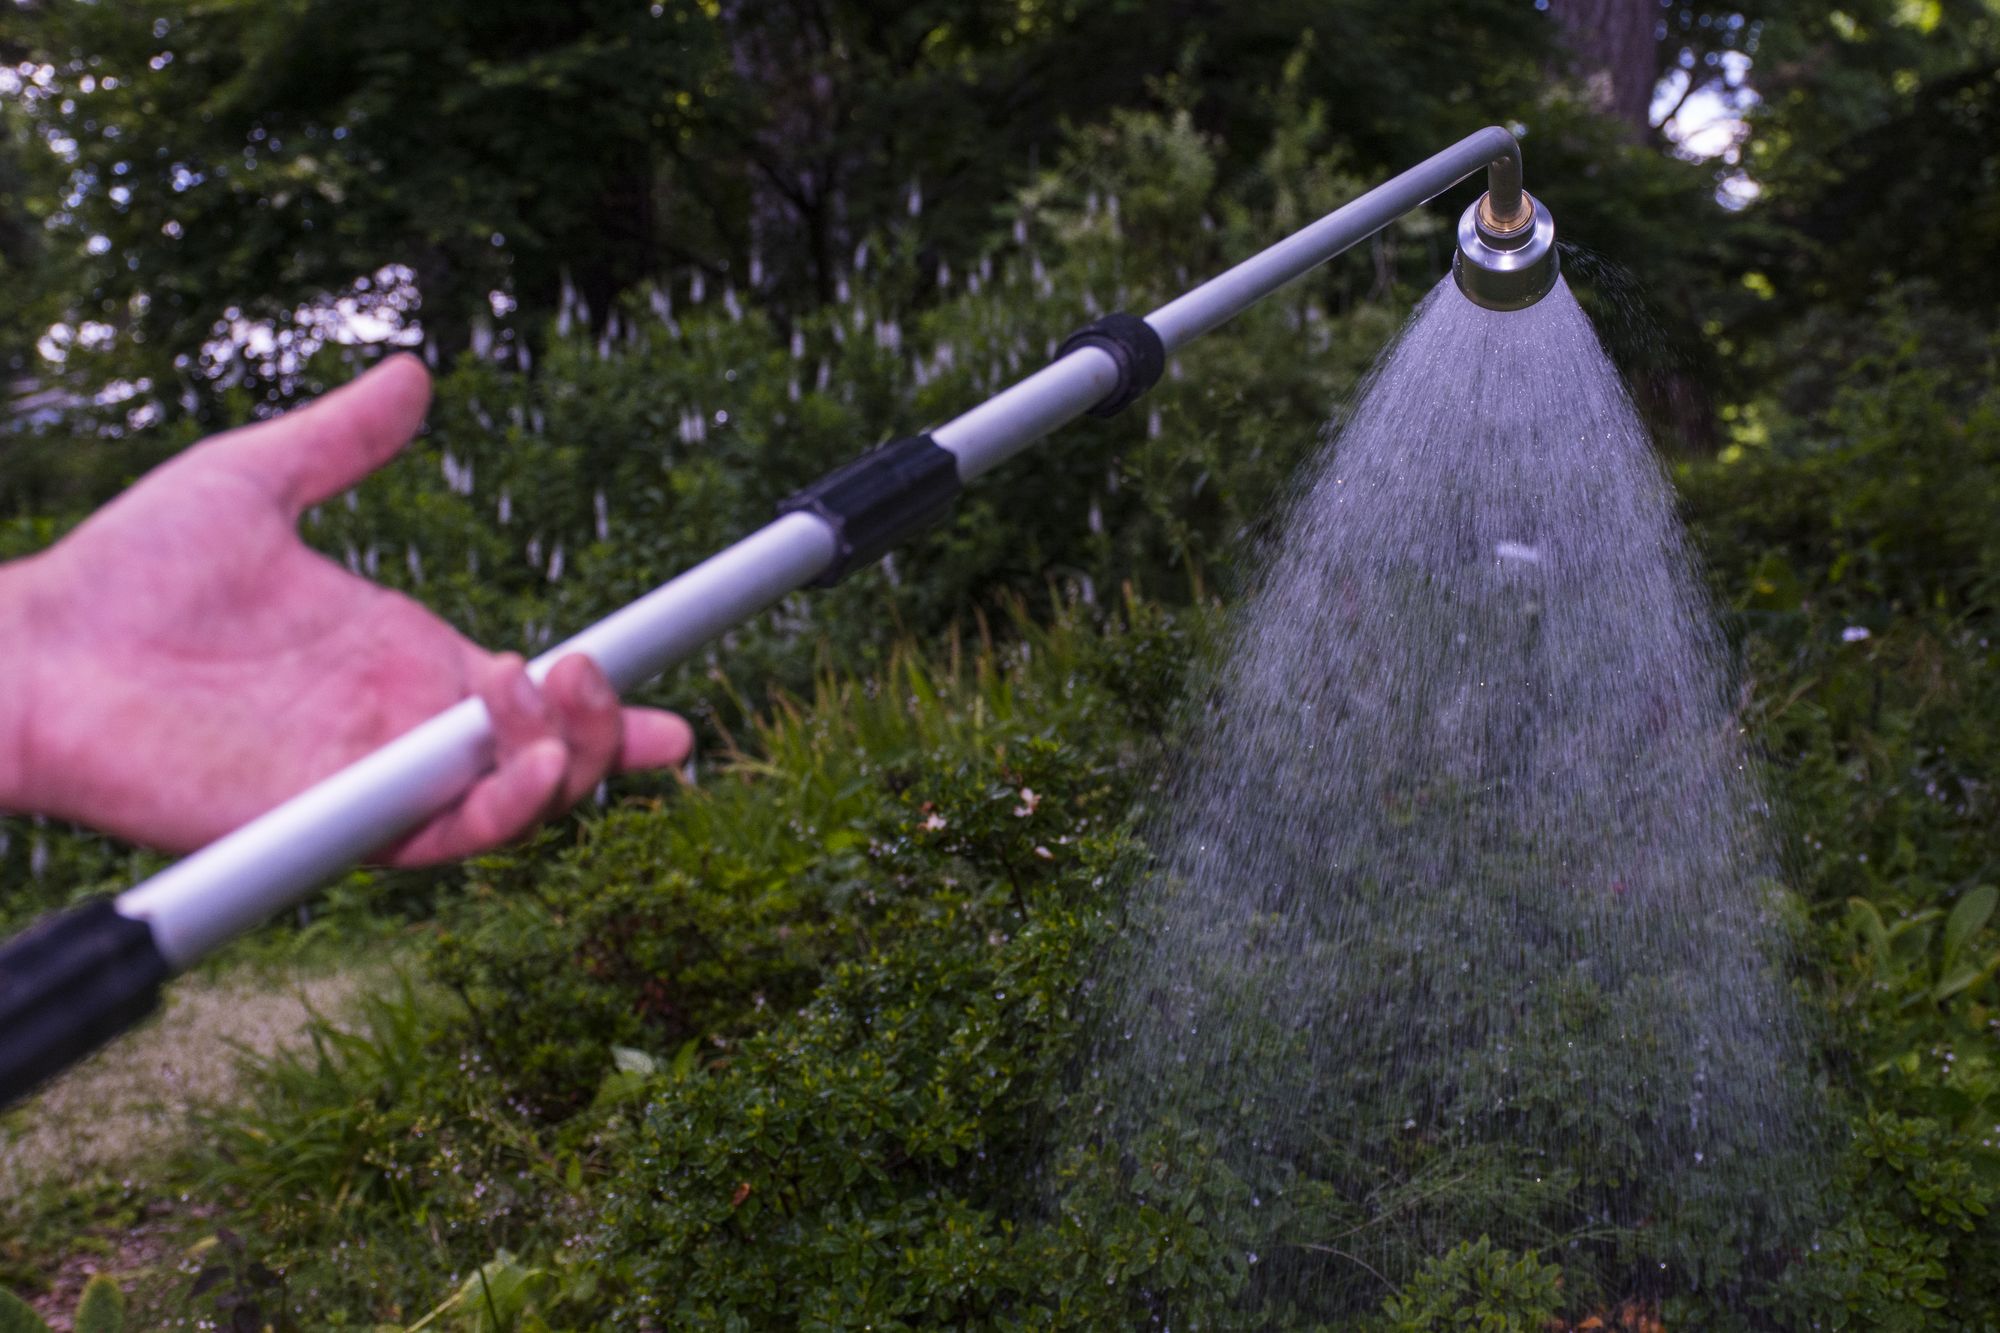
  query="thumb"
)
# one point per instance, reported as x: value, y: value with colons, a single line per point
x: 313, y: 453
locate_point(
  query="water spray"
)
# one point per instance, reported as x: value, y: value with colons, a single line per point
x: 74, y: 981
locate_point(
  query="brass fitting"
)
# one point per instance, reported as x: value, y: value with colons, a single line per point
x: 1507, y: 226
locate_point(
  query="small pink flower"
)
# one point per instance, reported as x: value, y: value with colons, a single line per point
x: 1029, y: 801
x: 933, y: 824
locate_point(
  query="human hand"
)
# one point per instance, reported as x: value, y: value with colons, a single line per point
x: 182, y: 662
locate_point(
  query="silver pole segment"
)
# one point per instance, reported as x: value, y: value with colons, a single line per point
x: 240, y: 880
x: 273, y: 861
x: 1009, y: 422
x: 638, y: 642
x: 1016, y: 417
x: 1186, y: 318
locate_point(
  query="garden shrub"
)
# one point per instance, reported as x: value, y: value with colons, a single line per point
x: 939, y: 840
x: 381, y: 1140
x: 1915, y: 1246
x: 1875, y: 504
x: 1477, y: 1287
x: 702, y: 924
x: 1854, y: 538
x: 865, y: 1164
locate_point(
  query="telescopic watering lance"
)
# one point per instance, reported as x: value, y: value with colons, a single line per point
x: 72, y: 982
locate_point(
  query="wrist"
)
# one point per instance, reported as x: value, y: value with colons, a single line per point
x: 23, y: 642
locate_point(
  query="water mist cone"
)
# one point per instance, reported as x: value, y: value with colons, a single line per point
x: 1465, y: 919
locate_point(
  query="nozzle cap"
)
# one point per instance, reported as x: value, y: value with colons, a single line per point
x: 1505, y: 270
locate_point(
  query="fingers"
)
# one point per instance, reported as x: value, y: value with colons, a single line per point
x: 586, y: 709
x: 525, y: 784
x: 520, y: 715
x: 314, y: 453
x: 602, y: 736
x: 499, y: 807
x: 654, y: 739
x: 554, y: 745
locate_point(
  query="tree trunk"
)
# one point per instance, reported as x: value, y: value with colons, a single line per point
x: 1615, y: 50
x: 799, y: 162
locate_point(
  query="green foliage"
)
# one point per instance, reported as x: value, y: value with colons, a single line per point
x: 914, y: 969
x: 1850, y: 526
x: 17, y: 1317
x: 23, y: 250
x: 841, y: 1149
x: 101, y: 1309
x: 1477, y: 1286
x: 222, y: 167
x: 1870, y: 493
x: 1902, y: 954
x: 41, y: 1225
x: 497, y: 1298
x: 377, y: 1142
x: 1891, y: 102
x: 235, y: 157
x: 856, y: 1166
x: 1915, y: 1242
x: 652, y: 932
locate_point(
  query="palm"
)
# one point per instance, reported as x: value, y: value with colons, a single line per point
x: 234, y: 666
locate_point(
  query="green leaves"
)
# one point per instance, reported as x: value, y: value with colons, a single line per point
x: 101, y: 1309
x: 854, y: 1161
x: 1967, y: 917
x: 1913, y: 1245
x: 17, y: 1317
x: 634, y: 1074
x: 1902, y: 953
x: 495, y: 1298
x: 1896, y: 949
x: 1478, y: 1286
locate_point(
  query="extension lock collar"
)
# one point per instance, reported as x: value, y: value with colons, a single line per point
x: 877, y: 500
x: 1130, y: 342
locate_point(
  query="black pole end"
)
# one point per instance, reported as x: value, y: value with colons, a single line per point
x: 68, y: 984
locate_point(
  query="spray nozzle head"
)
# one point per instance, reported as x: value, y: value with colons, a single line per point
x: 1505, y: 262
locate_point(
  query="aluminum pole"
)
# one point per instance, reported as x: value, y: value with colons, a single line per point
x: 1009, y: 422
x: 76, y: 980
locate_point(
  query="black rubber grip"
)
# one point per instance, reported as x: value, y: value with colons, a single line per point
x: 1133, y: 344
x: 879, y: 499
x: 68, y: 984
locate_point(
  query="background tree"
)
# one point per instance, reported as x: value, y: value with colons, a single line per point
x: 1876, y: 145
x: 1616, y: 49
x: 230, y: 166
x: 232, y: 174
x: 23, y: 252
